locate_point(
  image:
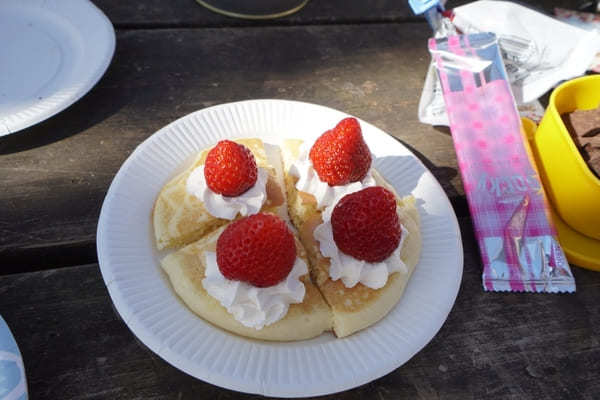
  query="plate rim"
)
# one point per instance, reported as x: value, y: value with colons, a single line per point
x: 21, y: 363
x: 93, y: 76
x: 185, y: 365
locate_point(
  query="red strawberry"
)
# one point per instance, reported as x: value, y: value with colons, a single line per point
x: 259, y: 250
x: 230, y: 168
x: 340, y: 155
x: 365, y: 224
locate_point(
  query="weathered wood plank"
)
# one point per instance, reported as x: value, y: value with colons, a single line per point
x: 54, y: 176
x: 180, y: 13
x: 174, y: 13
x: 500, y: 345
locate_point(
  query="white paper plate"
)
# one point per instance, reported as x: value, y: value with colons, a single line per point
x: 143, y: 296
x: 52, y: 53
x: 13, y: 383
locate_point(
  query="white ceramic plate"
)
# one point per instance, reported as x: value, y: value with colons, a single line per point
x: 145, y: 300
x: 53, y: 52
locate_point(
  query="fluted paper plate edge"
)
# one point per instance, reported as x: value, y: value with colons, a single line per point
x: 84, y: 17
x: 324, y: 365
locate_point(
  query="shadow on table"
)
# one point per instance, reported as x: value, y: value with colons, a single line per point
x: 443, y: 129
x: 444, y: 176
x: 91, y: 109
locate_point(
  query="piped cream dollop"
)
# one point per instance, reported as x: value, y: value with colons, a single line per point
x: 248, y: 203
x: 254, y: 307
x: 309, y: 181
x: 351, y: 270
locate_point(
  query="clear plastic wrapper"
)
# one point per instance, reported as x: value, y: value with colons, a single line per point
x: 517, y: 240
x: 538, y: 52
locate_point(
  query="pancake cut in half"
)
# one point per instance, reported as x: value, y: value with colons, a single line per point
x: 357, y: 307
x: 180, y: 218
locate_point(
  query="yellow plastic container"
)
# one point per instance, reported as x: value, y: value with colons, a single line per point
x: 571, y: 186
x: 580, y: 249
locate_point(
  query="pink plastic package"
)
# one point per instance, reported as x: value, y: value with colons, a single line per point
x: 517, y: 240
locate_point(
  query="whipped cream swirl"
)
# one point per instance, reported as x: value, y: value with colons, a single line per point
x: 352, y: 270
x: 254, y: 307
x: 309, y: 181
x: 248, y: 203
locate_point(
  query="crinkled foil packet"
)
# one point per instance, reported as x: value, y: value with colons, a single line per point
x: 510, y: 212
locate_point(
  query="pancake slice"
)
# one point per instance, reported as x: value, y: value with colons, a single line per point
x: 186, y: 269
x: 360, y: 306
x: 180, y: 218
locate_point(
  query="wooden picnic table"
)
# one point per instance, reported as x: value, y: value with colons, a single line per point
x: 366, y: 58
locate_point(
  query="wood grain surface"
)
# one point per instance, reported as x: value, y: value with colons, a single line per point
x: 55, y: 175
x: 493, y: 345
x: 364, y: 58
x: 367, y: 58
x: 187, y: 13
